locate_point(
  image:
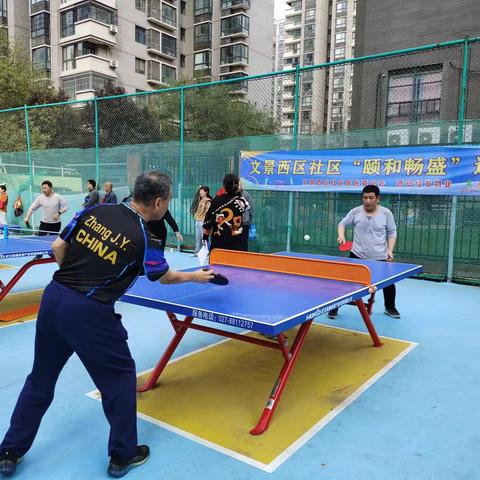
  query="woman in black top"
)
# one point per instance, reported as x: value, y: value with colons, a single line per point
x: 223, y: 221
x: 159, y: 229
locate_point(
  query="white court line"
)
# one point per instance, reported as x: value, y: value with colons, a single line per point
x: 289, y: 451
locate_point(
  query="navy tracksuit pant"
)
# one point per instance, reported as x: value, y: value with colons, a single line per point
x: 69, y: 322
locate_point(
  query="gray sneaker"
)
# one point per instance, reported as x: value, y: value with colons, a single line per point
x: 392, y: 312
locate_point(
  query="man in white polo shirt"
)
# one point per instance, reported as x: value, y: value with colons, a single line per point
x: 53, y: 205
x: 374, y: 238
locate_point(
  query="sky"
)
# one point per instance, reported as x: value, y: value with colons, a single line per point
x: 279, y: 9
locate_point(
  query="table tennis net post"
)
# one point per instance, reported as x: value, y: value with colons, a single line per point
x: 328, y: 269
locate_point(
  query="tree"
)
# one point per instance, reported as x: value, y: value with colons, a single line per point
x: 213, y: 112
x: 121, y: 121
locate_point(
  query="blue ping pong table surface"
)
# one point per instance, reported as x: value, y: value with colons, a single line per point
x: 262, y: 301
x: 28, y: 246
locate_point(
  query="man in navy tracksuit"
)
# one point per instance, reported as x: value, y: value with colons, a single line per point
x: 100, y: 254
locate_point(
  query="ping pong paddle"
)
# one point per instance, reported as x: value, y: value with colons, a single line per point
x: 218, y: 278
x: 345, y: 247
x: 27, y: 223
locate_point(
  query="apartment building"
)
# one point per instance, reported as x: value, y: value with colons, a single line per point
x: 317, y: 31
x: 141, y: 44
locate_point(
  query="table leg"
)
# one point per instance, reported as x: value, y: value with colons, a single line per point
x: 180, y: 330
x: 368, y: 322
x: 282, y: 379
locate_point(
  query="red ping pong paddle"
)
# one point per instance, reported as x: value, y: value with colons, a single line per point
x: 345, y: 247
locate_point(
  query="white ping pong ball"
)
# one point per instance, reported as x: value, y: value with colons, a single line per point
x: 306, y: 237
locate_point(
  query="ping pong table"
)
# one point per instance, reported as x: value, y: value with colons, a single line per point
x: 12, y: 246
x: 268, y: 294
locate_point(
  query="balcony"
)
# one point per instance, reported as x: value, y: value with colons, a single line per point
x: 161, y: 44
x: 40, y: 7
x: 157, y: 73
x: 65, y: 4
x: 235, y: 4
x: 162, y: 15
x: 93, y: 31
x: 235, y: 26
x: 91, y: 63
x: 232, y: 60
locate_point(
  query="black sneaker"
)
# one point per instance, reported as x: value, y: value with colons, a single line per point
x: 333, y: 314
x: 118, y: 468
x: 392, y: 312
x: 8, y: 463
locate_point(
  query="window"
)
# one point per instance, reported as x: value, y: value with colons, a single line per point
x: 72, y: 52
x: 169, y: 74
x: 234, y: 54
x: 202, y: 60
x: 310, y: 16
x: 307, y: 89
x: 341, y: 22
x: 310, y: 4
x: 182, y: 7
x: 340, y: 38
x: 309, y: 45
x: 235, y: 24
x: 338, y: 82
x: 202, y: 36
x: 294, y: 21
x: 308, y: 59
x: 307, y: 101
x: 293, y: 61
x: 337, y: 96
x: 139, y: 66
x: 153, y: 39
x: 339, y: 53
x: 39, y: 5
x: 140, y: 35
x: 341, y: 8
x: 169, y: 15
x: 182, y: 61
x: 337, y: 111
x: 41, y: 58
x: 338, y: 70
x: 3, y: 12
x: 87, y: 10
x: 306, y: 115
x: 140, y: 5
x: 169, y: 45
x: 414, y: 96
x: 86, y: 81
x: 182, y: 34
x: 231, y: 3
x: 309, y: 31
x: 202, y: 7
x: 40, y: 32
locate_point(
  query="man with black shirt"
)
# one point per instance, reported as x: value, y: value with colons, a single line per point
x: 100, y: 254
x: 93, y: 198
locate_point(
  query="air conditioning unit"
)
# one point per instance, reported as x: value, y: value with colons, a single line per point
x: 397, y: 137
x: 113, y: 29
x: 428, y: 135
x: 453, y: 133
x: 113, y: 63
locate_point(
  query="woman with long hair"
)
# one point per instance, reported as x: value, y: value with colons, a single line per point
x: 223, y: 221
x: 200, y: 205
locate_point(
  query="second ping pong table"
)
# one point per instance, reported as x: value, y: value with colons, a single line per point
x: 268, y: 294
x: 11, y: 246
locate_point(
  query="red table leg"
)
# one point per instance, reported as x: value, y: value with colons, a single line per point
x: 287, y: 368
x: 180, y: 330
x: 368, y: 322
x: 4, y: 289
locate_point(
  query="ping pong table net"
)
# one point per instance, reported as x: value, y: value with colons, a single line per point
x: 309, y: 267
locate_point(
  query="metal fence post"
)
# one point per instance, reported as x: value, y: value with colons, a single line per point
x: 294, y: 147
x: 461, y: 121
x: 29, y: 152
x: 182, y: 160
x: 97, y: 140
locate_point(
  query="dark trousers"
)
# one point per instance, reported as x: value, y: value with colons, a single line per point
x: 49, y: 227
x: 389, y: 293
x: 68, y: 322
x: 245, y: 233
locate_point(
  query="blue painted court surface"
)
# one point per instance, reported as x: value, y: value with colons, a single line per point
x: 419, y: 421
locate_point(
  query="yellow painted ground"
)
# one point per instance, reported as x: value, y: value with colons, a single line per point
x: 3, y: 266
x: 218, y: 394
x: 14, y: 301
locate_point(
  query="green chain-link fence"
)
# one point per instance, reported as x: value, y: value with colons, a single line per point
x: 427, y: 95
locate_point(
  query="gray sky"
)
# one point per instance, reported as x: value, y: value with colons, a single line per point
x: 279, y: 9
